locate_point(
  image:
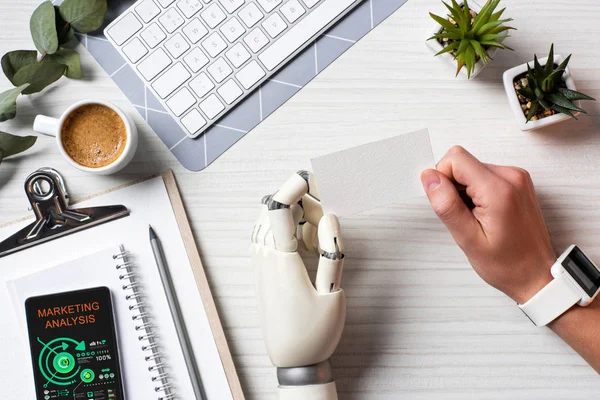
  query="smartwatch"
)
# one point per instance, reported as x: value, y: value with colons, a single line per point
x: 576, y: 281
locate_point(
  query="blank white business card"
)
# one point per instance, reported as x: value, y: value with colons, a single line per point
x: 373, y: 175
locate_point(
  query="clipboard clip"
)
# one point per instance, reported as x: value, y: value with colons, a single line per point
x: 47, y: 194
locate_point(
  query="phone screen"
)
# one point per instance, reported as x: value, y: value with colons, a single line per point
x: 74, y: 346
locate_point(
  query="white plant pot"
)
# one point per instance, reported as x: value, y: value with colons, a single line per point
x: 436, y: 46
x: 508, y: 78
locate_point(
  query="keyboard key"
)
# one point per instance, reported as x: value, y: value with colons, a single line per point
x: 212, y: 106
x: 154, y: 64
x: 165, y: 3
x: 274, y: 25
x: 195, y: 59
x: 213, y: 15
x: 193, y: 121
x: 171, y: 20
x: 292, y: 10
x: 153, y: 35
x: 256, y: 40
x: 269, y: 5
x: 147, y: 10
x: 250, y: 74
x: 214, y: 44
x: 202, y: 85
x: 125, y: 28
x: 195, y: 30
x: 219, y: 70
x: 231, y: 5
x: 310, y: 3
x: 303, y: 32
x: 238, y: 55
x: 135, y: 50
x: 189, y: 7
x: 181, y: 102
x: 168, y: 82
x: 177, y: 45
x: 251, y: 15
x: 230, y: 91
x: 232, y: 29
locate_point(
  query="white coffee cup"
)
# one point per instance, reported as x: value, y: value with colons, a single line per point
x: 53, y: 127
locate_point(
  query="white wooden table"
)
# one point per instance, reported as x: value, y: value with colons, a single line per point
x: 421, y: 324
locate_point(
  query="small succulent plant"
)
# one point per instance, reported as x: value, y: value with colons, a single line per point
x: 469, y: 35
x: 547, y: 90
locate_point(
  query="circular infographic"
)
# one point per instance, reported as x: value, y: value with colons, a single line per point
x: 57, y: 361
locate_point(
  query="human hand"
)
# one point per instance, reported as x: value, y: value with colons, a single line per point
x: 504, y: 236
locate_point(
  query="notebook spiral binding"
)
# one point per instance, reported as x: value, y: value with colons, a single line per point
x: 147, y: 336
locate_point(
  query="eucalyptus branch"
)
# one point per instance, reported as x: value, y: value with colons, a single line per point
x: 51, y: 28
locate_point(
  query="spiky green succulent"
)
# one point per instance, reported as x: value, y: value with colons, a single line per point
x: 546, y: 88
x: 469, y: 38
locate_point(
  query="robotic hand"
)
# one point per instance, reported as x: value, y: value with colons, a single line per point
x: 302, y: 324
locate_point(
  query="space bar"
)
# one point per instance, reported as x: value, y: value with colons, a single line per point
x: 303, y: 32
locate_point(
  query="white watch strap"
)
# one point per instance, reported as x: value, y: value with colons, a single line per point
x: 552, y: 301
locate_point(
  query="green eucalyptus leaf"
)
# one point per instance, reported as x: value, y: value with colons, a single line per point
x: 13, y: 144
x: 574, y: 95
x: 15, y: 60
x: 70, y: 59
x: 65, y: 31
x: 84, y: 15
x: 43, y: 28
x: 8, y: 102
x: 39, y: 75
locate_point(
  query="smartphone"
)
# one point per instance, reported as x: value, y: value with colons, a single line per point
x: 74, y: 345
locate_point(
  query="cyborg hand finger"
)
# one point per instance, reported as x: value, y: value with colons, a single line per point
x: 331, y: 262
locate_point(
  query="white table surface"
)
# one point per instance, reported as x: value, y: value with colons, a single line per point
x: 421, y: 324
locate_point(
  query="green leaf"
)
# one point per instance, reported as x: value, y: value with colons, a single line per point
x: 443, y: 22
x: 65, y: 31
x: 533, y: 110
x: 43, y: 28
x: 563, y: 65
x: 496, y: 16
x: 12, y: 144
x: 562, y: 101
x: 450, y: 47
x: 527, y: 92
x: 453, y: 13
x: 484, y: 15
x: 550, y: 61
x: 563, y: 110
x: 537, y: 67
x: 464, y: 44
x: 460, y: 62
x: 491, y: 36
x: 39, y: 75
x: 493, y: 43
x: 454, y: 35
x: 8, y: 102
x: 480, y: 51
x: 491, y: 25
x: 574, y: 95
x: 70, y: 59
x: 502, y: 28
x: 15, y: 60
x: 84, y: 15
x: 470, y: 60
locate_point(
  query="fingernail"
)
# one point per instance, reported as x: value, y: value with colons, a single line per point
x: 430, y: 181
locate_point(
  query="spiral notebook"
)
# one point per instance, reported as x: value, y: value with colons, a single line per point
x: 90, y: 259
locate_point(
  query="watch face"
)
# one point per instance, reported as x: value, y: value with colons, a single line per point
x: 583, y: 271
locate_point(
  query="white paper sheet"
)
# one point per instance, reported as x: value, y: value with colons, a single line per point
x: 373, y: 175
x: 149, y: 204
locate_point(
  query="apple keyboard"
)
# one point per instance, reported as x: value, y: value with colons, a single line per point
x: 202, y: 57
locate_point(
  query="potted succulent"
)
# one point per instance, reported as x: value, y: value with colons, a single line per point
x: 543, y: 95
x: 469, y: 35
